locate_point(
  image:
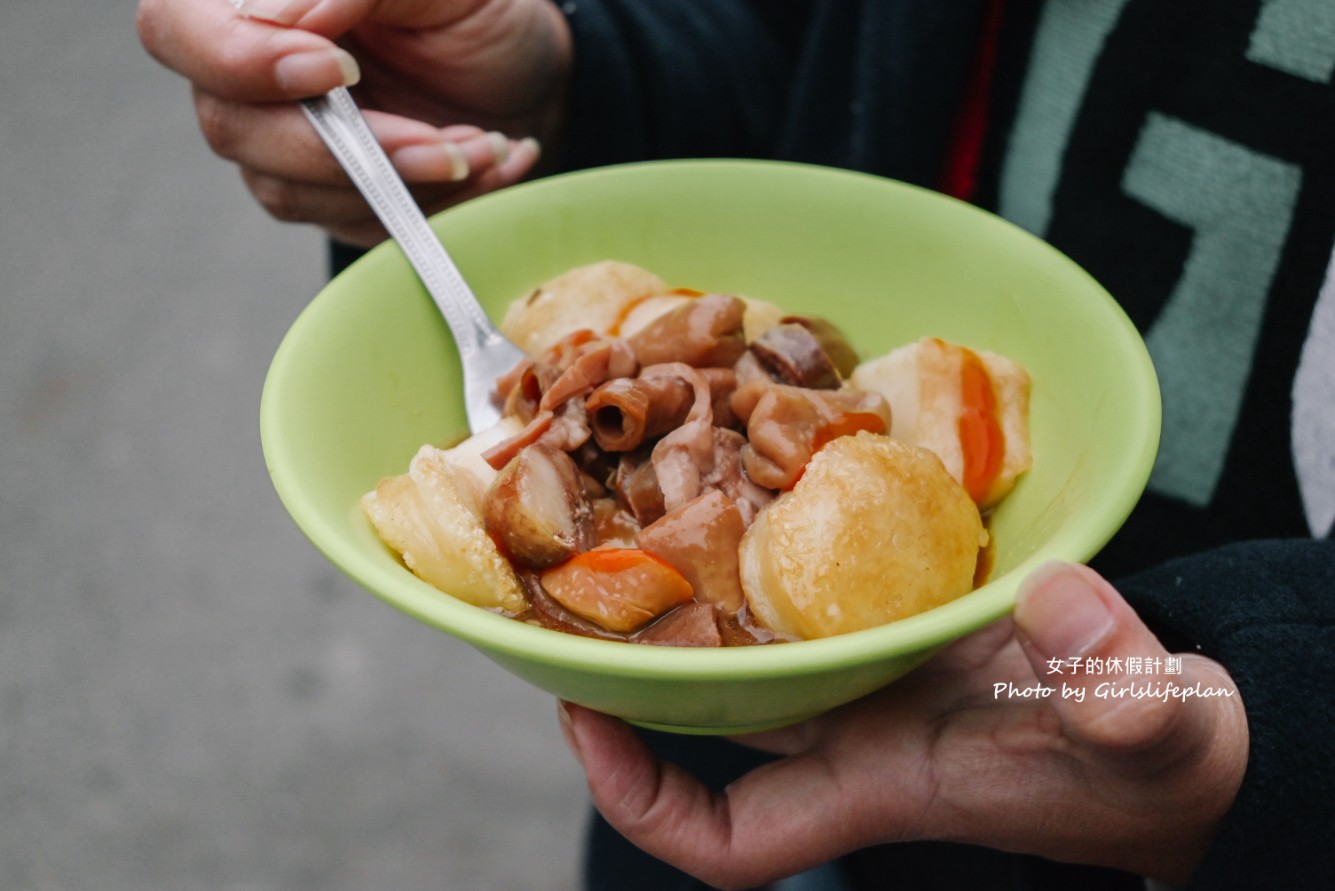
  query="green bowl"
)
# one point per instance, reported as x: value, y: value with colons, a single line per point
x: 368, y: 373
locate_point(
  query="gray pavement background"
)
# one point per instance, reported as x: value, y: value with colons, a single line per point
x: 190, y: 697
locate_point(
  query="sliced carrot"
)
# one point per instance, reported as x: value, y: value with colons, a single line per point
x: 846, y: 424
x: 621, y: 560
x: 621, y: 589
x: 981, y: 440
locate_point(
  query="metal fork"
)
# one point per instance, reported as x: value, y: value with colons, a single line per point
x: 484, y: 352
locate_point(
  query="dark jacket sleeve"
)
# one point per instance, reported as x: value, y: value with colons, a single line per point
x: 1266, y: 611
x: 690, y: 78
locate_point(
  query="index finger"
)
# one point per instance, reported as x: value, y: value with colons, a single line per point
x: 241, y: 58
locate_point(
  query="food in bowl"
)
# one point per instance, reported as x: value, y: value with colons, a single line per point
x: 682, y: 468
x: 875, y: 530
x: 368, y: 373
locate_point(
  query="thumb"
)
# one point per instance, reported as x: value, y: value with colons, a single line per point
x: 1120, y: 691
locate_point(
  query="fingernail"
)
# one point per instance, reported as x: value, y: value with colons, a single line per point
x: 280, y: 12
x: 433, y: 162
x: 500, y: 146
x: 458, y: 161
x: 1059, y: 611
x: 568, y: 729
x: 317, y: 71
x: 530, y: 144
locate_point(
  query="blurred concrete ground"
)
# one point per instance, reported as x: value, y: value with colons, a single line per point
x: 190, y: 697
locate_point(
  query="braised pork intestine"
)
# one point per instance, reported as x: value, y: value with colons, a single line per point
x: 664, y: 477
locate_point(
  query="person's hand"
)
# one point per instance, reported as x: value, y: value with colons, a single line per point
x: 459, y: 92
x: 957, y: 751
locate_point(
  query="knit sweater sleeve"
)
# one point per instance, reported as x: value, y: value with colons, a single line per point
x: 1266, y: 611
x: 691, y: 78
